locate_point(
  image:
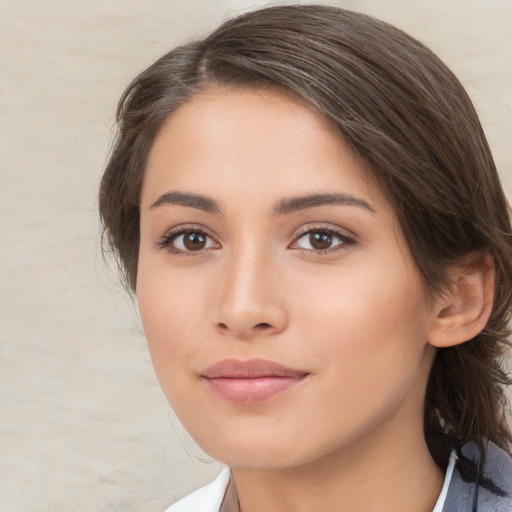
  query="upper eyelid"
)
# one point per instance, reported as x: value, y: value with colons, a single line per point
x: 183, y: 228
x: 323, y: 226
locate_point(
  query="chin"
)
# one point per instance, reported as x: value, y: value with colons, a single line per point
x: 257, y: 458
x: 277, y: 450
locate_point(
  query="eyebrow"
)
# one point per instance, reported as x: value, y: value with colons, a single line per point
x: 282, y: 207
x: 189, y: 200
x: 293, y: 204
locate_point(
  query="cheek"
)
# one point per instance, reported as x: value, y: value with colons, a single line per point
x: 371, y: 324
x: 366, y: 339
x: 172, y: 310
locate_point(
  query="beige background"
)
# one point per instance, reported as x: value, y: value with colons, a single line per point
x: 83, y: 424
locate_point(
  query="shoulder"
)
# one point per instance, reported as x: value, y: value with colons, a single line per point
x: 206, y: 499
x: 487, y: 490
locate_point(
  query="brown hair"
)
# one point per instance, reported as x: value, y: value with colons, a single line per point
x: 406, y: 115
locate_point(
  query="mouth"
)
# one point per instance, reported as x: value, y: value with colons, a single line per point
x: 255, y: 380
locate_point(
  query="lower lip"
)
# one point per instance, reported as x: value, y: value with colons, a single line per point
x: 247, y: 391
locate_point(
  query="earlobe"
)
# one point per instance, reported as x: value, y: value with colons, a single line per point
x: 464, y: 310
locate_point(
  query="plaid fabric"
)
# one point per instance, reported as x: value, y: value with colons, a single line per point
x: 480, y: 486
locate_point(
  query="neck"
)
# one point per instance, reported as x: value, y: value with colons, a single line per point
x: 391, y: 470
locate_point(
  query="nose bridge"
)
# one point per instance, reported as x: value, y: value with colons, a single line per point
x: 250, y: 301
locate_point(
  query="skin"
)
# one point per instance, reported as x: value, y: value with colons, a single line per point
x: 355, y: 317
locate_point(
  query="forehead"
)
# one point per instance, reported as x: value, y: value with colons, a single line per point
x: 246, y: 142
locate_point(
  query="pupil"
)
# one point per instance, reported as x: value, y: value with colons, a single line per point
x: 194, y: 241
x: 320, y: 240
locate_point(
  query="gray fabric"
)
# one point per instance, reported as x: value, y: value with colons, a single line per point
x: 491, y: 491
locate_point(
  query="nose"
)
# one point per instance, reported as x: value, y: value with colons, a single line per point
x: 249, y: 301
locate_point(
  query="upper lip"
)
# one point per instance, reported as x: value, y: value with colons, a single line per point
x: 250, y: 369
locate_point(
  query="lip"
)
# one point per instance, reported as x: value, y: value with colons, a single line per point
x: 255, y: 380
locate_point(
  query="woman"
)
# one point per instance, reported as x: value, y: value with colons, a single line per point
x: 307, y: 209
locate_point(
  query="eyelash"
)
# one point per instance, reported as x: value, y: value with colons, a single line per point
x: 170, y: 237
x: 345, y: 240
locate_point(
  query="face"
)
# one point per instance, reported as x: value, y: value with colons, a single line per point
x: 285, y: 317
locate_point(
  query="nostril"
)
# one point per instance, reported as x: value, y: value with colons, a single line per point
x: 262, y: 326
x: 244, y: 330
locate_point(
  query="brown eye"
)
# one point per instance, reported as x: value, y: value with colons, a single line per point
x: 188, y: 241
x: 323, y: 240
x: 194, y: 240
x: 320, y: 240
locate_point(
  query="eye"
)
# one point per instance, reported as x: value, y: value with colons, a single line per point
x: 322, y: 240
x: 187, y: 241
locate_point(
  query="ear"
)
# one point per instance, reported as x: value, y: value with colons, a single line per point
x: 463, y: 311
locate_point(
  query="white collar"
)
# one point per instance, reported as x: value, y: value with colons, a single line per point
x: 205, y: 499
x: 447, y: 479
